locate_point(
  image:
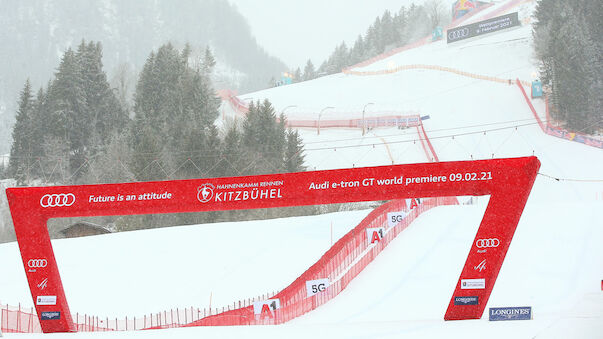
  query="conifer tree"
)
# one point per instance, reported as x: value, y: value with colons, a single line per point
x: 175, y: 108
x: 294, y: 157
x: 209, y: 62
x: 231, y: 152
x: 568, y: 44
x: 309, y: 71
x: 21, y: 150
x: 357, y: 52
x: 297, y: 75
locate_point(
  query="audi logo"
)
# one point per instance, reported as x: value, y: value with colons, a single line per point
x: 57, y: 200
x: 461, y: 33
x: 37, y: 263
x: 483, y: 243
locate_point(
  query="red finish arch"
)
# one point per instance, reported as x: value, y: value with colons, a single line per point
x: 507, y: 181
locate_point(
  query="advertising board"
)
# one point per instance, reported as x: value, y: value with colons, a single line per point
x: 483, y: 27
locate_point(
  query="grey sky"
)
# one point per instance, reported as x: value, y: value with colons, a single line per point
x: 295, y: 30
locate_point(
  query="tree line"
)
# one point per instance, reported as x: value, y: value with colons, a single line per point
x: 76, y: 131
x: 387, y: 32
x: 569, y: 43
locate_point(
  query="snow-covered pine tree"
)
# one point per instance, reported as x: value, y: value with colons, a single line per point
x: 21, y: 159
x: 309, y: 71
x: 294, y: 157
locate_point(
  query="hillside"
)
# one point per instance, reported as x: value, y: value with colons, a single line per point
x: 38, y: 33
x: 554, y: 264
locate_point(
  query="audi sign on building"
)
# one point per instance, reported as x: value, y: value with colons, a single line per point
x: 482, y: 27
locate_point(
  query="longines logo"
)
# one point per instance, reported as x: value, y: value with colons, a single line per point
x: 205, y: 192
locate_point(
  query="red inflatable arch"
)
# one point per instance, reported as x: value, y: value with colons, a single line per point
x: 507, y: 181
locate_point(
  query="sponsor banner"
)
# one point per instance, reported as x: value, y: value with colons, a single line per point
x: 483, y: 27
x: 50, y: 316
x: 388, y: 122
x: 560, y: 133
x: 508, y: 181
x: 473, y: 284
x: 393, y: 218
x: 374, y: 235
x: 46, y: 300
x: 316, y: 286
x: 462, y: 301
x: 510, y: 313
x: 273, y: 305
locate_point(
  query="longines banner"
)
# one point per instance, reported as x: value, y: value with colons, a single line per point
x: 507, y: 181
x: 483, y: 27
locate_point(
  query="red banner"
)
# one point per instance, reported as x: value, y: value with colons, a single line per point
x: 508, y: 181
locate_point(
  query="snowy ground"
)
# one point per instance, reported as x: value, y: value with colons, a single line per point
x: 555, y: 263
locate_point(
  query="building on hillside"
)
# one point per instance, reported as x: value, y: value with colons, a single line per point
x: 84, y: 229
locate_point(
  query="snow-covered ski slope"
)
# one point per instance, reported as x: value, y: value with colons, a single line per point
x: 555, y: 263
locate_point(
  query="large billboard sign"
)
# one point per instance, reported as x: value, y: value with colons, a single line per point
x: 507, y: 181
x: 482, y: 27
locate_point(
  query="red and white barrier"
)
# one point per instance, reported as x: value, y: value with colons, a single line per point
x: 507, y: 181
x: 558, y: 132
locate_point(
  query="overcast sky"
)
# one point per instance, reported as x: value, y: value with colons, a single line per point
x: 295, y: 30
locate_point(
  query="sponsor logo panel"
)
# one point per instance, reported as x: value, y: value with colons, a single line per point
x: 272, y: 304
x: 483, y: 27
x: 50, y: 315
x: 316, y: 286
x: 510, y: 313
x: 470, y: 300
x: 393, y: 218
x: 46, y: 300
x: 473, y: 284
x: 57, y: 200
x: 375, y: 234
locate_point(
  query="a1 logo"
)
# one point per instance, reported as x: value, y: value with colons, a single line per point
x: 374, y: 235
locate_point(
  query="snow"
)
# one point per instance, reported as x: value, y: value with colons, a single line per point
x: 554, y: 264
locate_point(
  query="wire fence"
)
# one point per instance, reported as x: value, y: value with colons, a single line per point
x: 340, y: 264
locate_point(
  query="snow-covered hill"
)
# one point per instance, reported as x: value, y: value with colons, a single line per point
x: 555, y: 263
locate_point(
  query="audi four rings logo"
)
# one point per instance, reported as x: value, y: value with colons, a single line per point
x: 37, y: 263
x: 461, y: 33
x: 483, y: 243
x: 57, y: 200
